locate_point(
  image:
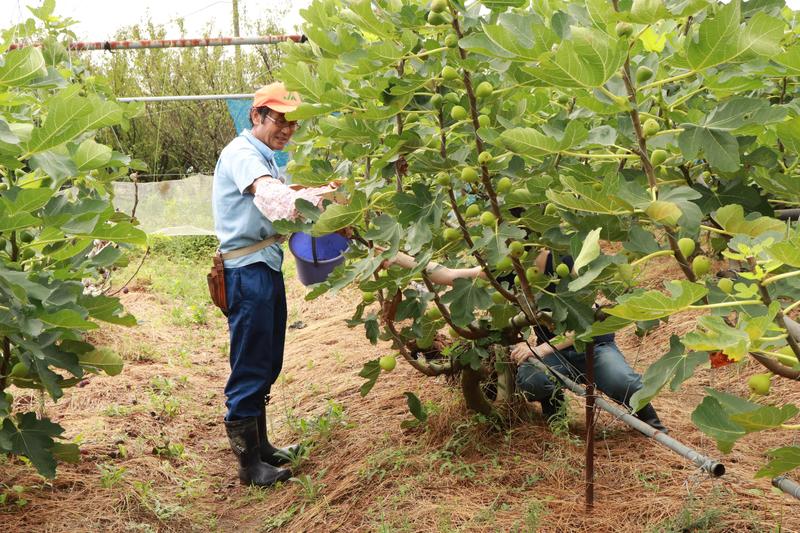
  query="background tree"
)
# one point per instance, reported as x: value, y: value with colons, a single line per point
x: 172, y: 137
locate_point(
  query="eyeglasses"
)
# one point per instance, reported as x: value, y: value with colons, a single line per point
x: 283, y: 124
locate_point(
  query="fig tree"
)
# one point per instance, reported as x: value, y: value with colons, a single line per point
x: 472, y: 211
x: 516, y: 249
x: 484, y: 121
x: 451, y: 234
x: 488, y: 218
x: 504, y: 264
x: 387, y: 363
x: 701, y: 265
x: 484, y: 157
x: 484, y: 89
x: 562, y: 270
x: 469, y: 174
x: 624, y: 29
x: 650, y: 127
x: 759, y: 383
x: 504, y: 185
x: 438, y: 6
x: 433, y: 313
x: 643, y: 74
x: 658, y: 157
x: 451, y: 41
x: 452, y: 98
x: 625, y: 272
x: 449, y: 73
x: 436, y: 19
x: 725, y: 285
x: 19, y: 370
x: 686, y: 246
x: 458, y: 113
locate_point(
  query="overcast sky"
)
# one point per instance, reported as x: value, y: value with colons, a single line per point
x: 99, y: 20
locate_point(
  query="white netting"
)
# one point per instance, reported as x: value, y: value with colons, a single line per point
x: 177, y: 207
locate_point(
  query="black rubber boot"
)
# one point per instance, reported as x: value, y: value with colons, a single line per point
x: 243, y: 438
x: 648, y: 415
x: 551, y: 406
x: 269, y: 453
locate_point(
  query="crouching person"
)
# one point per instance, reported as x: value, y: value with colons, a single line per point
x: 612, y: 374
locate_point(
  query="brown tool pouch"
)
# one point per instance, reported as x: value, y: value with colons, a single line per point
x: 216, y: 284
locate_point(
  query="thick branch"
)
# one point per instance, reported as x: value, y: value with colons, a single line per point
x: 481, y: 261
x: 389, y: 312
x: 5, y: 362
x: 470, y: 333
x: 776, y: 368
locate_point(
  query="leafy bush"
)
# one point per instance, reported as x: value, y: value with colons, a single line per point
x: 59, y: 233
x: 482, y: 135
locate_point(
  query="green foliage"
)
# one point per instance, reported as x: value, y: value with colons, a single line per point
x: 572, y: 127
x: 173, y: 137
x: 59, y: 234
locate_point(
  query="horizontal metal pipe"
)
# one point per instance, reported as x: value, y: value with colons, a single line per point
x: 185, y: 97
x: 710, y: 466
x: 787, y: 485
x: 174, y: 43
x: 787, y: 214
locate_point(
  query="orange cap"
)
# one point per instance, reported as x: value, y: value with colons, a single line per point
x: 276, y: 97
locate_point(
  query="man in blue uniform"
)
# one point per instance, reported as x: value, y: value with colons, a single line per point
x: 254, y: 285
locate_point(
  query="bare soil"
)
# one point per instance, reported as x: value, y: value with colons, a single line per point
x: 365, y: 473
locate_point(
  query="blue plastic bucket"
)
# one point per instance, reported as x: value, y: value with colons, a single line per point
x: 316, y: 257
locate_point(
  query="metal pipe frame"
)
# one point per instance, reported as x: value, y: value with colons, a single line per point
x: 185, y: 98
x: 711, y: 466
x: 789, y: 486
x: 174, y: 43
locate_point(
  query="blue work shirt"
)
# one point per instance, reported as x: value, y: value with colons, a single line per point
x: 237, y: 220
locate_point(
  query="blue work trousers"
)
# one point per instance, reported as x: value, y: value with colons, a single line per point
x: 612, y: 374
x: 257, y: 322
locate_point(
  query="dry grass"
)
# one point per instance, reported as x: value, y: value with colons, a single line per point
x: 365, y: 472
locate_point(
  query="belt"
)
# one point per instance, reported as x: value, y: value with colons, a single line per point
x: 247, y: 250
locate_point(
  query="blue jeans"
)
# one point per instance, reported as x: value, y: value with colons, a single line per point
x: 612, y: 374
x: 257, y: 322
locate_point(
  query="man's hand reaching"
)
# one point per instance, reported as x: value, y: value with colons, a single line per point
x: 521, y: 353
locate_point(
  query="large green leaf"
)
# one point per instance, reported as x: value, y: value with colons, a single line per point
x: 337, y: 216
x: 530, y: 142
x: 91, y: 155
x: 102, y: 360
x: 726, y: 417
x: 587, y: 59
x: 714, y: 334
x: 21, y: 66
x: 732, y: 219
x: 719, y: 147
x: 464, y: 298
x: 787, y: 252
x: 723, y: 38
x: 32, y: 438
x: 650, y: 305
x: 712, y: 420
x: 589, y: 251
x: 674, y: 367
x: 783, y: 460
